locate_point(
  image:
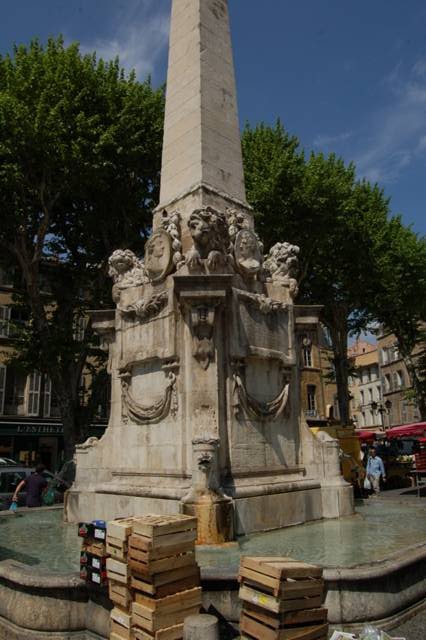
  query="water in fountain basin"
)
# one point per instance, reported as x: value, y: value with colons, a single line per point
x: 378, y: 529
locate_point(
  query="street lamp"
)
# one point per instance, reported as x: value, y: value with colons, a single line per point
x: 382, y: 409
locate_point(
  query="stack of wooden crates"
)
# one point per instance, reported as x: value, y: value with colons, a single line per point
x: 93, y: 554
x: 282, y: 600
x: 154, y: 580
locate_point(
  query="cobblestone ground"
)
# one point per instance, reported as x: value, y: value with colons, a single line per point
x: 414, y: 629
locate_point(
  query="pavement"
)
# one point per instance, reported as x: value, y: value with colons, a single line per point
x: 414, y: 629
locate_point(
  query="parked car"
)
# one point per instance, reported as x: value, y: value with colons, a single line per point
x: 11, y: 476
x: 7, y: 462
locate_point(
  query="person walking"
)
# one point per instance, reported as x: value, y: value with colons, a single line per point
x: 375, y: 469
x: 35, y: 486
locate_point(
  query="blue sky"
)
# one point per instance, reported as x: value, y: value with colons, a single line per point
x: 343, y: 75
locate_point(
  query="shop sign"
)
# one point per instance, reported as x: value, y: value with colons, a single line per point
x: 39, y: 429
x: 13, y: 429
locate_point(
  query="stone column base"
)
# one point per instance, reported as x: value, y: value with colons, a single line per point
x: 215, y: 519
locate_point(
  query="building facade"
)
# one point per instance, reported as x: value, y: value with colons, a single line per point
x: 395, y: 381
x: 30, y: 426
x: 318, y: 387
x: 365, y: 386
x: 381, y: 392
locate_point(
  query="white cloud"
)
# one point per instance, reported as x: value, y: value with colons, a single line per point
x: 419, y: 68
x: 397, y: 133
x: 139, y: 38
x: 324, y: 141
x: 422, y: 144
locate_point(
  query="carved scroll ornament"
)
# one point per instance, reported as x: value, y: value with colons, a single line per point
x: 146, y: 309
x: 254, y: 408
x: 261, y: 302
x: 152, y: 414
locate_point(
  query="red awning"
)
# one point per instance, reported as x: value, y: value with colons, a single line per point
x: 366, y: 436
x: 407, y: 430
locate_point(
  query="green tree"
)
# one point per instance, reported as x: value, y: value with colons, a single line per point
x: 318, y: 204
x: 398, y: 300
x: 80, y: 147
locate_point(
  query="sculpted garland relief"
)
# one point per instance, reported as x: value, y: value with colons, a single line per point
x: 256, y: 409
x: 146, y: 309
x: 149, y: 414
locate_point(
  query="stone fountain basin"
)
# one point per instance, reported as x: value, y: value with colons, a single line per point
x: 41, y: 597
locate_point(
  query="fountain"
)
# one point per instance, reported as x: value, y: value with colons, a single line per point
x: 205, y: 412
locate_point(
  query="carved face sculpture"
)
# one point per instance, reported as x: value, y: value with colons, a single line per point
x: 120, y: 263
x: 247, y: 252
x: 199, y: 229
x: 158, y: 255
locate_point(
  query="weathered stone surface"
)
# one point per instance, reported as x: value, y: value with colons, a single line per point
x: 201, y: 136
x: 202, y: 343
x: 201, y: 627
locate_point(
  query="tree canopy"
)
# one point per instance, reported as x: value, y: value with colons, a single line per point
x: 80, y: 151
x: 350, y: 243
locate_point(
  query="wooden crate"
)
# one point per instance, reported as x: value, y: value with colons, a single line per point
x: 116, y: 553
x: 119, y: 631
x: 158, y: 570
x: 277, y: 604
x: 152, y: 615
x: 117, y: 549
x: 118, y: 571
x: 94, y: 547
x: 164, y: 621
x: 171, y: 633
x: 156, y: 527
x: 286, y: 619
x: 255, y: 629
x: 164, y: 544
x: 149, y: 554
x: 119, y: 529
x: 166, y: 583
x: 120, y: 595
x: 282, y: 577
x: 147, y: 569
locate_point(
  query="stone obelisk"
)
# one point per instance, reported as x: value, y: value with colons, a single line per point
x: 202, y: 160
x: 204, y: 341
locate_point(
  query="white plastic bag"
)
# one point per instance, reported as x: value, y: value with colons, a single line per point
x: 367, y: 483
x: 369, y: 632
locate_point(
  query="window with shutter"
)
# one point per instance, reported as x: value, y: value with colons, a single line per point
x: 47, y: 396
x: 34, y: 387
x: 4, y: 321
x: 2, y: 387
x: 312, y: 403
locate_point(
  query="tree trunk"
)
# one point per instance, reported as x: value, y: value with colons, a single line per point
x: 418, y: 384
x: 338, y: 326
x: 67, y: 411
